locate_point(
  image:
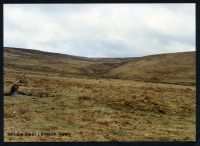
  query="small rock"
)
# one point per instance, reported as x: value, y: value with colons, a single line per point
x: 23, y: 81
x: 28, y: 93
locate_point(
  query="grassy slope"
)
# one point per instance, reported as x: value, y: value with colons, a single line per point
x: 169, y: 68
x: 56, y: 64
x: 100, y: 110
x: 66, y: 99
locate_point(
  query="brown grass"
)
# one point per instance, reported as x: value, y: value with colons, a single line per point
x: 110, y: 110
x: 92, y: 108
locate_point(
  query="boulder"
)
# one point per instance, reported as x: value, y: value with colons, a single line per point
x: 23, y: 81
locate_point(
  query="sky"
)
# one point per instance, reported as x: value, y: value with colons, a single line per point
x: 101, y: 30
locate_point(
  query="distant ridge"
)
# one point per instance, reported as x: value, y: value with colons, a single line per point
x: 64, y: 55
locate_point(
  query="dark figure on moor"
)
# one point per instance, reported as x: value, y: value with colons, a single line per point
x: 14, y: 89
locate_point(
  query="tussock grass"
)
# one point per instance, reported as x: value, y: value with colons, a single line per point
x: 101, y: 110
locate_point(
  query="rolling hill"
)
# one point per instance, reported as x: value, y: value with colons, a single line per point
x: 34, y: 61
x: 176, y: 68
x: 99, y: 99
x: 168, y: 68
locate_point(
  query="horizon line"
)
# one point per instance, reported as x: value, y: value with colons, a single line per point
x: 95, y: 57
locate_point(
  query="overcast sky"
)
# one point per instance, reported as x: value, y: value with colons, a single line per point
x: 101, y: 30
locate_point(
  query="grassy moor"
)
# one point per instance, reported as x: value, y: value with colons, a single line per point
x: 150, y: 98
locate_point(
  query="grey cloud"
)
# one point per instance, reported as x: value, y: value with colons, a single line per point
x: 94, y: 30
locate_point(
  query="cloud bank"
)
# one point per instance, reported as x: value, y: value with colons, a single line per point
x: 101, y: 30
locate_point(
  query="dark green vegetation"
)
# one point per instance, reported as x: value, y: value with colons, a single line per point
x: 100, y: 99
